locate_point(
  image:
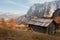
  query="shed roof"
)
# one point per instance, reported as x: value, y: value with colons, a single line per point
x: 40, y: 22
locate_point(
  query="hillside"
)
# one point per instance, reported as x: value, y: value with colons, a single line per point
x: 11, y: 34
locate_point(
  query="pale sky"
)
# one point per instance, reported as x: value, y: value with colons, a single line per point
x: 18, y: 6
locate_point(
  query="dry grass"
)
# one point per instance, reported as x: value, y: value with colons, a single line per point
x: 11, y: 34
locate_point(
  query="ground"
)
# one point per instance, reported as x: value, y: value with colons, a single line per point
x: 23, y: 34
x: 12, y: 34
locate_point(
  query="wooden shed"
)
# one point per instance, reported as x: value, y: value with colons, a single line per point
x: 42, y: 25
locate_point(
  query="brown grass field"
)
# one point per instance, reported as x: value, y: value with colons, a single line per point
x: 13, y: 34
x: 12, y: 31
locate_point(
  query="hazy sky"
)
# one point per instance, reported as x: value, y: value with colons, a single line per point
x: 18, y: 6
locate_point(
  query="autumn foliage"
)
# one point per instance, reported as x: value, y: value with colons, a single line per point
x: 5, y: 24
x: 12, y: 23
x: 57, y: 20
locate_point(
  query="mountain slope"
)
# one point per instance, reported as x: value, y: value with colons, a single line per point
x: 39, y: 10
x: 8, y: 15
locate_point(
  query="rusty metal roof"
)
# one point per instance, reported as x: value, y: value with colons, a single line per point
x: 40, y: 22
